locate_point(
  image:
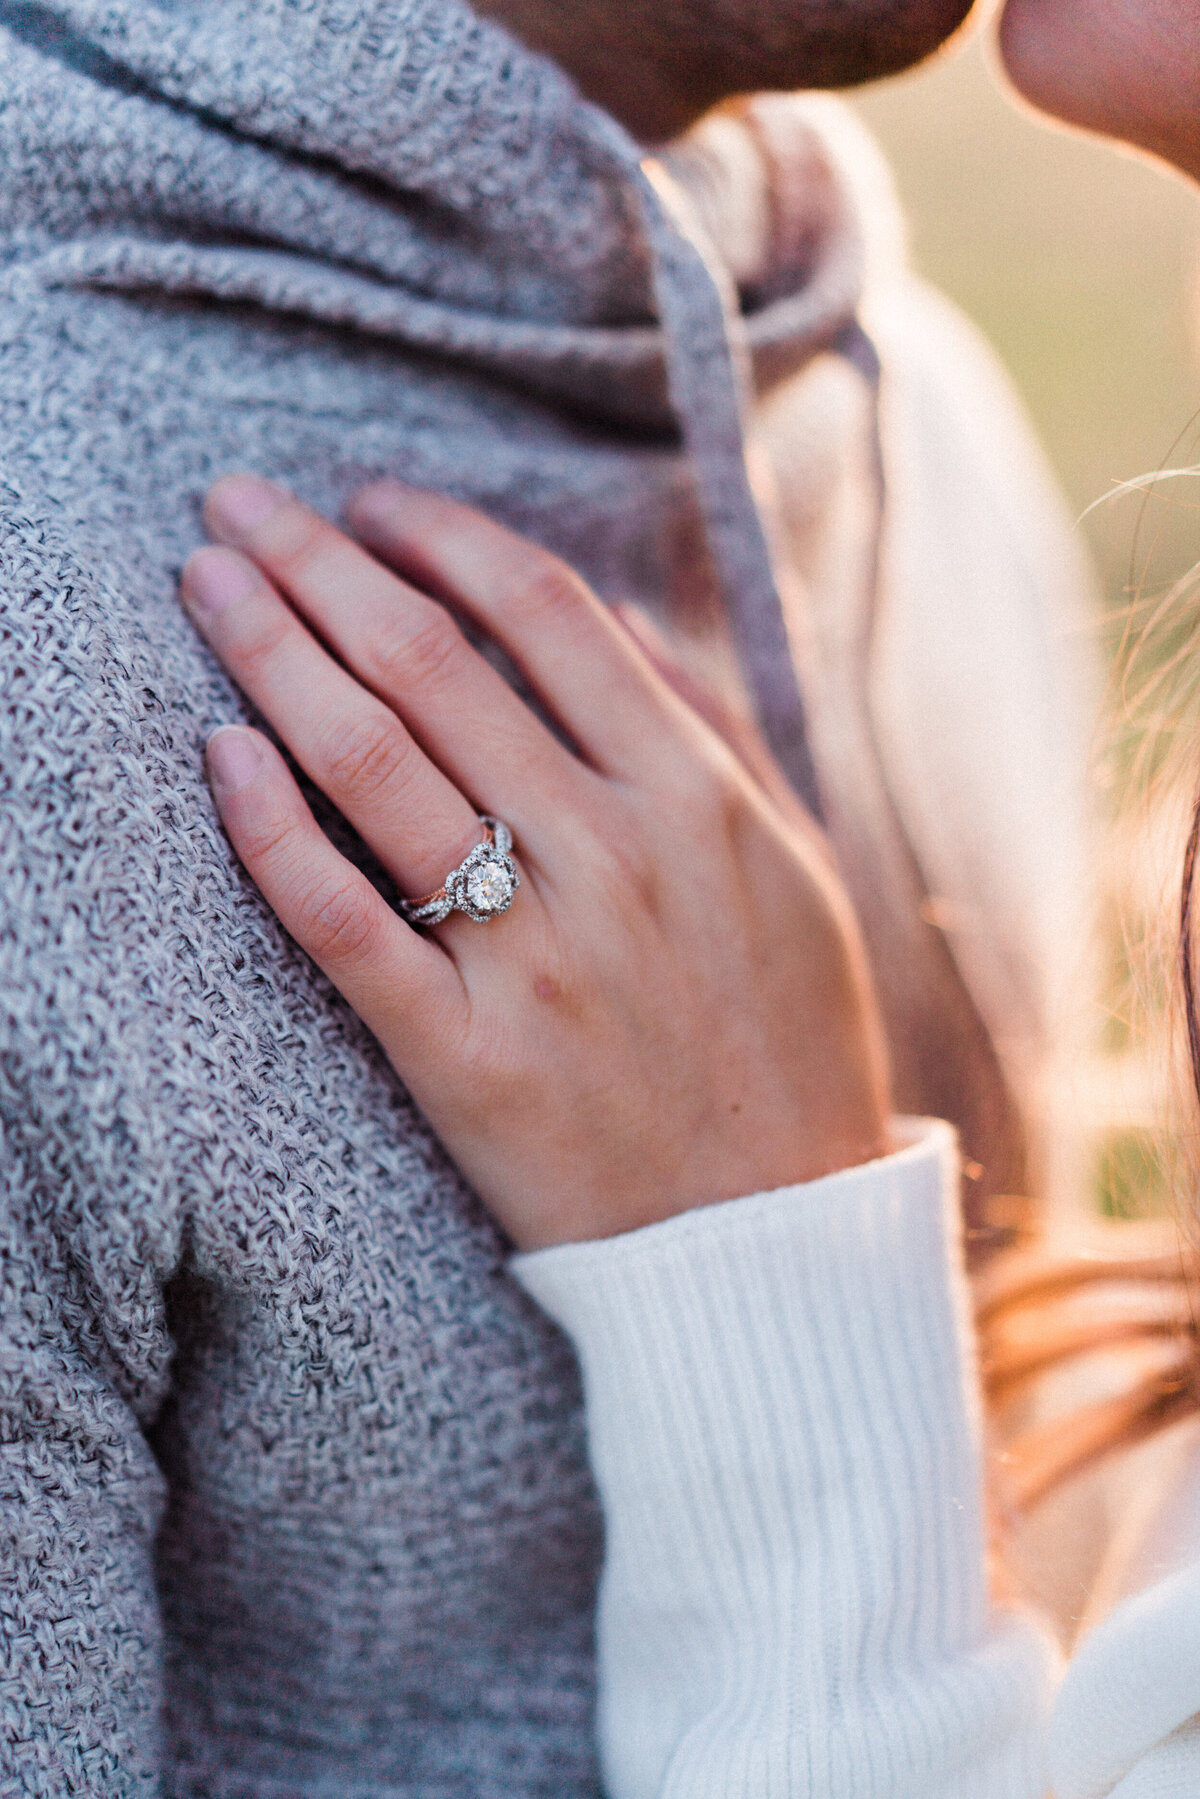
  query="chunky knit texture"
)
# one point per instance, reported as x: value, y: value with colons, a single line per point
x: 293, y: 1488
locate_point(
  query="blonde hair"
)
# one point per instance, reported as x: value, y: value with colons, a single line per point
x: 1038, y: 1314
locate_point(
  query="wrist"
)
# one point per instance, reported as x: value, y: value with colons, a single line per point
x: 714, y: 1175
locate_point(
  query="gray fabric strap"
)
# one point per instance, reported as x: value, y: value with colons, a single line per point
x: 709, y: 383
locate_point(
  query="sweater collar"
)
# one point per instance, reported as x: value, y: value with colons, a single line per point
x: 430, y: 179
x: 518, y: 192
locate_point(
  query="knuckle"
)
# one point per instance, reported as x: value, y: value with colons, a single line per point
x: 546, y: 593
x: 265, y: 842
x: 489, y: 1060
x: 504, y: 1073
x: 699, y: 790
x: 264, y: 632
x: 334, y: 920
x: 299, y: 539
x: 623, y: 869
x: 420, y: 659
x: 365, y: 755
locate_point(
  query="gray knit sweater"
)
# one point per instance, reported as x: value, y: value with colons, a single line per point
x: 294, y: 1495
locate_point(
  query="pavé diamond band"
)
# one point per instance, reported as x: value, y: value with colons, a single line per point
x: 483, y: 885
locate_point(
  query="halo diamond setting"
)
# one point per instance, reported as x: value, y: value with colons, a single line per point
x: 483, y: 885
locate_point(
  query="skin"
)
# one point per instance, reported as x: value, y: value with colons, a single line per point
x: 1127, y: 68
x: 676, y: 1008
x: 657, y: 67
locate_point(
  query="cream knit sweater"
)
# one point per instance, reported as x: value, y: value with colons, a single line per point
x: 783, y: 1424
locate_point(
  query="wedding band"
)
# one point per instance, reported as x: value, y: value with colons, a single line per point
x: 483, y: 885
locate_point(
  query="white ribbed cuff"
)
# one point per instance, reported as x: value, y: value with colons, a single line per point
x: 783, y: 1430
x: 804, y: 1340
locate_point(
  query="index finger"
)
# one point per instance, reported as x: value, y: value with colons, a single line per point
x: 403, y: 646
x: 583, y: 666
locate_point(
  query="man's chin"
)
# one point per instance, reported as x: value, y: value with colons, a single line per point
x: 734, y: 46
x: 659, y: 64
x: 848, y: 42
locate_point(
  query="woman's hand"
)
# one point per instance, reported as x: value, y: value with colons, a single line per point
x: 676, y: 1008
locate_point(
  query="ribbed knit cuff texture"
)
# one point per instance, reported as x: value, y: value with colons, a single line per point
x: 794, y: 1337
x: 782, y: 1428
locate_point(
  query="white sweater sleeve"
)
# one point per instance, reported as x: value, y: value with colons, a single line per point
x: 783, y: 1429
x: 1126, y: 1723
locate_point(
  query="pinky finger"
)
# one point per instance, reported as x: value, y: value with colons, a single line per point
x: 406, y: 990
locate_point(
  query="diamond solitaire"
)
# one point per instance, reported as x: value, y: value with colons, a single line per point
x: 490, y: 886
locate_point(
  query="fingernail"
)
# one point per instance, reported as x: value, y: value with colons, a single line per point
x: 214, y: 579
x: 243, y: 502
x: 234, y: 758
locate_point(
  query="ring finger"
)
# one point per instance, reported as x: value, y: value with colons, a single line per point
x: 347, y: 741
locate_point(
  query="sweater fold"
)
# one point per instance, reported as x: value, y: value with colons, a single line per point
x: 409, y: 168
x: 297, y: 1471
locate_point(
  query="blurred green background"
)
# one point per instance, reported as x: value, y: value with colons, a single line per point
x: 1082, y: 266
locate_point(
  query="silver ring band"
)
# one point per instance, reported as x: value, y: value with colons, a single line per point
x: 483, y: 885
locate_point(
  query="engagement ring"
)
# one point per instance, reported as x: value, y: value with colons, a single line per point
x: 483, y: 885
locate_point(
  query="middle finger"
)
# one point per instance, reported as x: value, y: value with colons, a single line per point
x: 406, y: 648
x: 353, y: 746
